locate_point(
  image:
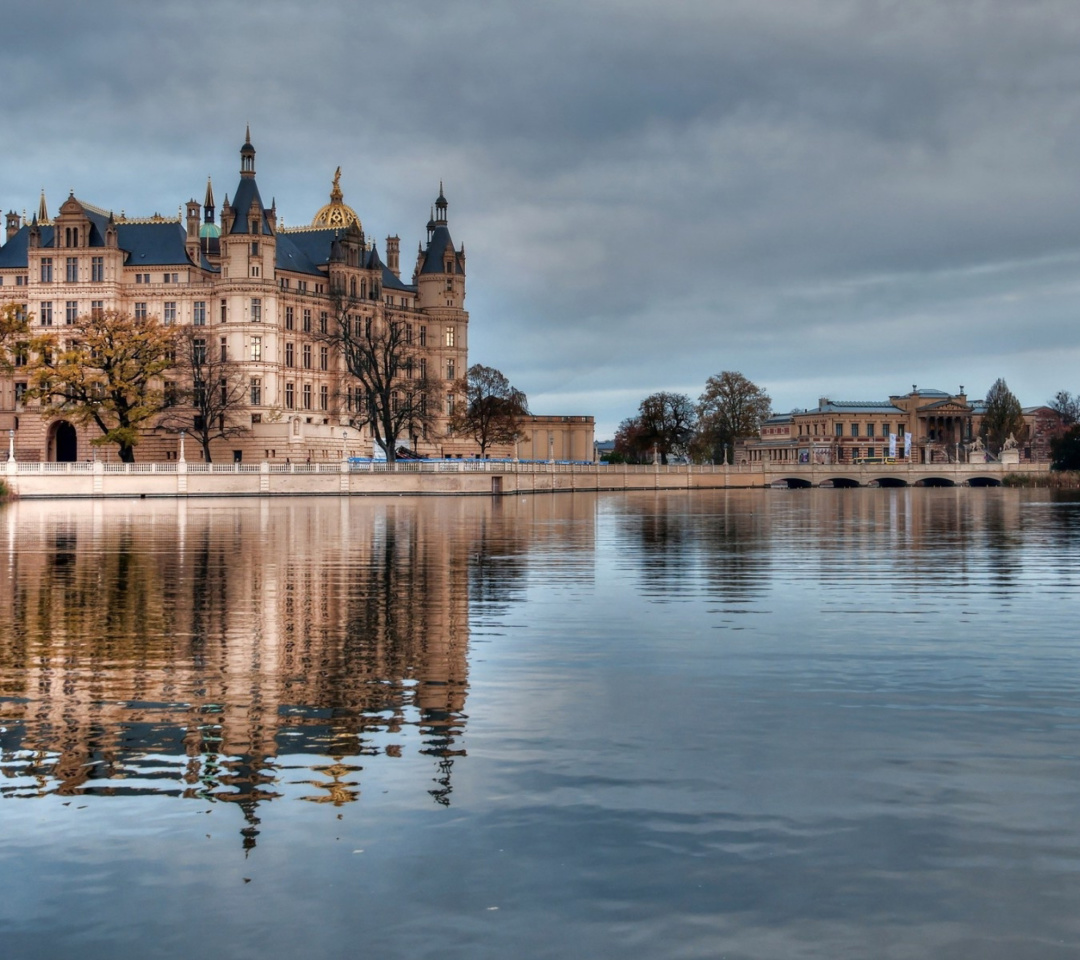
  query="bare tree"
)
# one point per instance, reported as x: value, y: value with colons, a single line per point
x: 667, y: 423
x: 380, y: 353
x: 209, y: 398
x: 1066, y: 406
x: 493, y: 409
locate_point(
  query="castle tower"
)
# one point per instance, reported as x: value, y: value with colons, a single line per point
x: 248, y: 244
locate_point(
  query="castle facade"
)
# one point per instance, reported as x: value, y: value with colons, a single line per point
x: 260, y: 295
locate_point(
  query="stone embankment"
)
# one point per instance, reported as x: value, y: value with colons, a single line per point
x: 460, y: 478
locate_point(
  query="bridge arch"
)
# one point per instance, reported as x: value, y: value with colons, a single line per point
x: 935, y: 482
x: 888, y: 482
x: 837, y: 482
x: 984, y: 482
x: 791, y: 483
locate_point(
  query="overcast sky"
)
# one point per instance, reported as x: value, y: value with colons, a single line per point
x: 835, y: 198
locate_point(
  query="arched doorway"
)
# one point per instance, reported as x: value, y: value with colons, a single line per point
x: 63, y: 443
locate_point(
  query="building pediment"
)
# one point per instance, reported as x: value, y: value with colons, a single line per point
x: 945, y: 407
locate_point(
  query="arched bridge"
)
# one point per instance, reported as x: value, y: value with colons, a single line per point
x: 795, y: 475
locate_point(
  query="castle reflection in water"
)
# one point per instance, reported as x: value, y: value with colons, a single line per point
x: 242, y: 652
x: 232, y: 652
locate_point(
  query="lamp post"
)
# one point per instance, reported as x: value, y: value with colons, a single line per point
x: 183, y: 434
x: 345, y: 443
x: 11, y: 444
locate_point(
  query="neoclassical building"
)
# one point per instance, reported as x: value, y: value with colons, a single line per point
x: 264, y: 294
x: 923, y: 426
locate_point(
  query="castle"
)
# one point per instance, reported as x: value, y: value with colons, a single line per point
x: 266, y: 296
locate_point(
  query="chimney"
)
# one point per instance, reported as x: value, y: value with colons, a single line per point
x: 392, y: 248
x: 12, y: 224
x: 191, y: 242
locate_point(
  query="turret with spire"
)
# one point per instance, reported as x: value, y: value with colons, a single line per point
x: 247, y: 156
x: 440, y: 269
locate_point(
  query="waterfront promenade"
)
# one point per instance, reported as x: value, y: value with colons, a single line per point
x: 465, y: 478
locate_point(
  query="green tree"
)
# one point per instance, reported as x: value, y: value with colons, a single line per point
x: 1003, y: 417
x: 731, y: 408
x: 667, y: 421
x: 106, y: 369
x: 493, y: 409
x: 1065, y: 450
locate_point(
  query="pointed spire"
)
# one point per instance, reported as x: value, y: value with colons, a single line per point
x: 247, y: 156
x: 208, y: 203
x: 440, y: 206
x: 43, y: 212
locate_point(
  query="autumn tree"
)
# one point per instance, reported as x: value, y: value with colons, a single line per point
x: 209, y: 396
x: 630, y: 445
x: 13, y: 330
x: 105, y: 369
x: 731, y: 408
x: 667, y: 422
x: 492, y: 410
x: 1002, y: 418
x: 380, y: 353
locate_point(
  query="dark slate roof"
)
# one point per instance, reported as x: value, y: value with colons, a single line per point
x: 303, y: 251
x: 433, y: 258
x: 13, y: 253
x: 306, y: 250
x: 929, y: 393
x: 146, y: 244
x: 857, y: 406
x: 246, y: 192
x: 152, y: 244
x: 390, y: 282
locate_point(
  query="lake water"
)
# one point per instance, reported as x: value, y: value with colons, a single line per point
x: 753, y: 724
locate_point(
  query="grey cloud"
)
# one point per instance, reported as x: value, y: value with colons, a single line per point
x: 821, y: 194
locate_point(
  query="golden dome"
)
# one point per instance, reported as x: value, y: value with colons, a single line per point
x: 336, y: 213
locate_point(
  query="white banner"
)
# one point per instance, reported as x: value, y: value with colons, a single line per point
x: 892, y: 444
x: 907, y: 444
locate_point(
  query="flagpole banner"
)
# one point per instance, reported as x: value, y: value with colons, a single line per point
x: 907, y: 444
x: 892, y: 444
